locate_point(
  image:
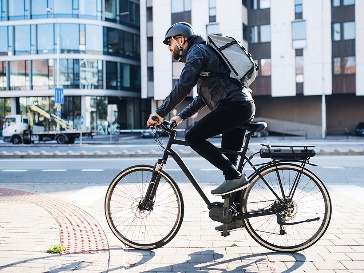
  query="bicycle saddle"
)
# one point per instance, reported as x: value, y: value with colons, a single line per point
x: 255, y: 126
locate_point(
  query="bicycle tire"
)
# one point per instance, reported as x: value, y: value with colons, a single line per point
x: 138, y: 229
x: 311, y: 200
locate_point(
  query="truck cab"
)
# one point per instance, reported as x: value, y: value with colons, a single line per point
x: 13, y: 128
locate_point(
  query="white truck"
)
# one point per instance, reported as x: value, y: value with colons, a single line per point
x: 19, y: 129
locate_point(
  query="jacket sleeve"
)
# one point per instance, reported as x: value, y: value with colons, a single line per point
x: 195, y: 60
x: 196, y: 105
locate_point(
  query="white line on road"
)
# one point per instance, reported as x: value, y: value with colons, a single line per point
x: 92, y: 170
x: 15, y: 170
x: 55, y: 170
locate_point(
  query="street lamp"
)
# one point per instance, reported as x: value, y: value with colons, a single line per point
x: 49, y: 10
x: 59, y: 107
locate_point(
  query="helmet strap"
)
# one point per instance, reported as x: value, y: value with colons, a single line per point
x: 179, y: 47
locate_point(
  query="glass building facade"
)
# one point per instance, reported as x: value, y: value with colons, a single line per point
x: 90, y: 48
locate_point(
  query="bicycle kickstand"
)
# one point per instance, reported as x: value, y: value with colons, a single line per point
x: 226, y: 214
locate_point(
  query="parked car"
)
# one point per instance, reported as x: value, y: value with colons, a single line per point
x: 360, y: 129
x: 147, y: 133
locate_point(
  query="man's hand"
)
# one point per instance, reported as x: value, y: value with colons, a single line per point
x: 151, y: 122
x: 176, y: 119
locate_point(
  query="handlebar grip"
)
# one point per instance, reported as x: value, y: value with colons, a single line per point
x: 154, y: 118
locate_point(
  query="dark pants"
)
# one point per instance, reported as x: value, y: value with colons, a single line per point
x: 226, y: 120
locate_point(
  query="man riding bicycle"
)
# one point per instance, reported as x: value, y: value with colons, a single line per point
x: 231, y: 104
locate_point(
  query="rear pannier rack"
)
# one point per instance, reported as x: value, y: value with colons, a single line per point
x: 287, y: 152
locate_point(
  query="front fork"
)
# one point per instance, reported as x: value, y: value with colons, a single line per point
x: 147, y: 202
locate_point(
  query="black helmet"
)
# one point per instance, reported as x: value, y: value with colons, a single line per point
x: 179, y: 29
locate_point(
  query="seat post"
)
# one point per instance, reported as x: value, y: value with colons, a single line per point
x: 245, y: 149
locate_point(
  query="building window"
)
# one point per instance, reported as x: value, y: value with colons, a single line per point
x: 3, y: 41
x: 70, y: 38
x: 212, y: 11
x: 180, y: 5
x: 42, y: 76
x: 18, y: 9
x: 349, y: 65
x: 44, y: 43
x: 22, y: 40
x: 299, y: 69
x: 345, y: 65
x: 253, y: 34
x: 337, y: 66
x: 245, y: 32
x: 335, y: 3
x: 298, y: 9
x: 265, y: 67
x: 90, y: 74
x: 264, y: 4
x: 93, y: 42
x: 177, y: 69
x: 298, y: 6
x: 349, y: 30
x: 254, y: 4
x: 111, y: 75
x: 212, y: 29
x: 349, y: 2
x: 19, y: 75
x: 3, y: 78
x: 336, y: 32
x: 299, y: 34
x: 265, y: 33
x: 110, y: 10
x: 346, y: 31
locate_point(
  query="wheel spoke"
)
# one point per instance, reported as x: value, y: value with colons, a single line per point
x: 310, y: 201
x: 143, y: 229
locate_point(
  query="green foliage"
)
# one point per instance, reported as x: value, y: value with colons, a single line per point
x: 57, y: 249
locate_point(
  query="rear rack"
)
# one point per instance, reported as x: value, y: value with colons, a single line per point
x: 287, y: 152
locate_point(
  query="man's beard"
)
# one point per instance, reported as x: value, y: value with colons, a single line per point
x: 175, y: 53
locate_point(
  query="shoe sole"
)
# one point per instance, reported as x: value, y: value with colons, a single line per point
x: 234, y: 190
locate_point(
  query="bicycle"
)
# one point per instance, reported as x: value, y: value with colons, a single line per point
x: 285, y: 207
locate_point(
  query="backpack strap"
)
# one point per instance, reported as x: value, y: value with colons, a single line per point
x: 221, y: 75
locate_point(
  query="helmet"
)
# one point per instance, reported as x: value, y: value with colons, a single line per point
x: 179, y: 29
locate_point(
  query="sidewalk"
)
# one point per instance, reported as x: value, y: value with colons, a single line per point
x: 31, y: 223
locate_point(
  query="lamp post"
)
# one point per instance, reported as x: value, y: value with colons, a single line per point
x: 58, y: 105
x: 49, y: 10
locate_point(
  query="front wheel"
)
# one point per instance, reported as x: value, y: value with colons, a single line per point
x: 143, y: 228
x: 307, y: 207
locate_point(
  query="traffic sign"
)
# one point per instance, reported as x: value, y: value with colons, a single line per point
x: 58, y: 95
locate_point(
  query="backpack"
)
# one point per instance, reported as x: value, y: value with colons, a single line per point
x: 240, y: 62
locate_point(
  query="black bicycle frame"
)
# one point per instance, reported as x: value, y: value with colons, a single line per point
x: 168, y: 151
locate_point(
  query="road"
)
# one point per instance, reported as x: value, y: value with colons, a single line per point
x: 100, y: 171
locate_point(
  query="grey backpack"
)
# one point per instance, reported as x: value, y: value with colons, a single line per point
x: 240, y: 62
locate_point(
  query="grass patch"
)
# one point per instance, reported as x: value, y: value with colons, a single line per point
x: 57, y: 249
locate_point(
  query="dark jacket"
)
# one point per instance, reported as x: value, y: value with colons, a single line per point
x: 211, y: 90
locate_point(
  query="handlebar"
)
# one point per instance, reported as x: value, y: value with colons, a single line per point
x: 165, y: 125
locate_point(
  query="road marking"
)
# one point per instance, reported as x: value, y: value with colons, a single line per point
x: 15, y: 170
x: 92, y: 170
x: 332, y: 167
x: 55, y: 170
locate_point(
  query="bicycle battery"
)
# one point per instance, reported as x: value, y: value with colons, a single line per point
x: 286, y: 153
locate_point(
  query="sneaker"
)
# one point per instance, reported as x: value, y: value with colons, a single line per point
x: 233, y: 225
x: 231, y: 186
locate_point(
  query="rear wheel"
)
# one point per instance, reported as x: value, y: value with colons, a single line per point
x: 306, y: 215
x: 143, y: 228
x: 61, y: 139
